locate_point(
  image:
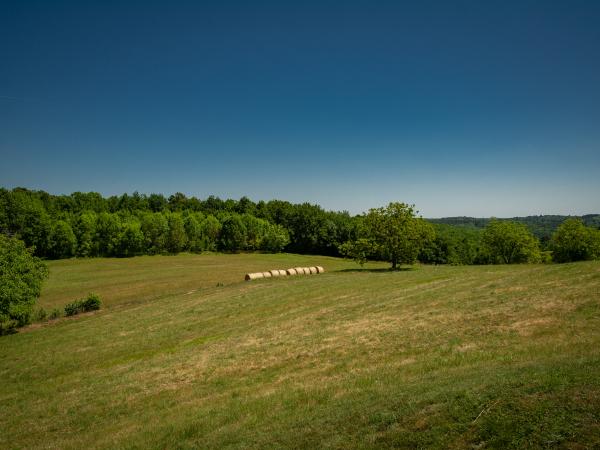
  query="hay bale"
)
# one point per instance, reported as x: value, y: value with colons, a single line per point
x: 254, y: 276
x: 266, y: 274
x: 320, y: 269
x: 299, y: 270
x: 313, y: 270
x: 306, y: 270
x: 282, y: 272
x: 274, y: 272
x: 291, y: 272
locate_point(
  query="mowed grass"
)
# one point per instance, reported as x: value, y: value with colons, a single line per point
x: 435, y: 357
x: 137, y: 280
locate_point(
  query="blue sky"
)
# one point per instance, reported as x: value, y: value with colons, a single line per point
x: 463, y: 108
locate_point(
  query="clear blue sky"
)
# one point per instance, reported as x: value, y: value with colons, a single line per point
x: 463, y: 108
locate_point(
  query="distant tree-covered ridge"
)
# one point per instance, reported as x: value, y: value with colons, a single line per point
x: 541, y: 226
x: 88, y: 224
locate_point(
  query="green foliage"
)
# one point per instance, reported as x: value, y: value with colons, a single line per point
x: 274, y: 239
x: 391, y: 233
x: 359, y: 250
x: 573, y: 241
x: 62, y: 241
x: 73, y: 308
x: 28, y: 220
x: 233, y: 234
x: 86, y: 224
x: 21, y: 277
x: 155, y: 228
x: 255, y: 229
x: 193, y: 230
x: 452, y: 245
x: 176, y: 237
x: 91, y: 303
x: 542, y: 227
x: 108, y: 229
x: 131, y: 239
x: 510, y: 242
x: 210, y: 229
x: 85, y: 231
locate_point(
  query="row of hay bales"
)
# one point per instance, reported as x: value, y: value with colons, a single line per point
x: 282, y: 273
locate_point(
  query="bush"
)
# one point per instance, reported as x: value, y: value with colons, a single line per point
x: 73, y: 308
x: 91, y: 303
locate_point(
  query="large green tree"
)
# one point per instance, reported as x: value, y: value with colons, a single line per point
x: 573, y: 241
x: 510, y: 242
x: 393, y: 233
x: 21, y: 276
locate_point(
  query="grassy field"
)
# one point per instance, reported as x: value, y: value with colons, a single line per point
x: 435, y: 357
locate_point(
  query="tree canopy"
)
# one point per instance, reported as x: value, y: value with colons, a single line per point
x: 510, y: 242
x: 21, y: 276
x: 573, y: 241
x: 392, y: 233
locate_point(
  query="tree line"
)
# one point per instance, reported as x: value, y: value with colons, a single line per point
x: 542, y: 226
x: 88, y: 224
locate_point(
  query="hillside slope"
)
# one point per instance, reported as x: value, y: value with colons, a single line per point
x: 437, y: 357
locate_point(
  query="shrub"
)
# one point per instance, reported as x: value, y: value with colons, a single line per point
x: 73, y: 308
x: 91, y: 303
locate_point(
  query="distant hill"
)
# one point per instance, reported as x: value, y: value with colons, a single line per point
x: 541, y: 226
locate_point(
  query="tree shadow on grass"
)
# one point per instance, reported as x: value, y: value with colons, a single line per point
x: 380, y: 270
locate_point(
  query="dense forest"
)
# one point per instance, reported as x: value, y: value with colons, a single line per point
x: 88, y: 224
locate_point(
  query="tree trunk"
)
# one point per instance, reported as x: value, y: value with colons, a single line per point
x: 394, y: 264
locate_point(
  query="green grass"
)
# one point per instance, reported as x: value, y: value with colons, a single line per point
x: 436, y: 357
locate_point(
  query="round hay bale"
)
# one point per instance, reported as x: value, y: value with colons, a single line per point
x: 254, y: 276
x: 291, y: 272
x: 313, y: 270
x: 282, y: 272
x: 299, y: 270
x: 274, y: 272
x: 306, y: 270
x: 320, y: 269
x: 266, y: 274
